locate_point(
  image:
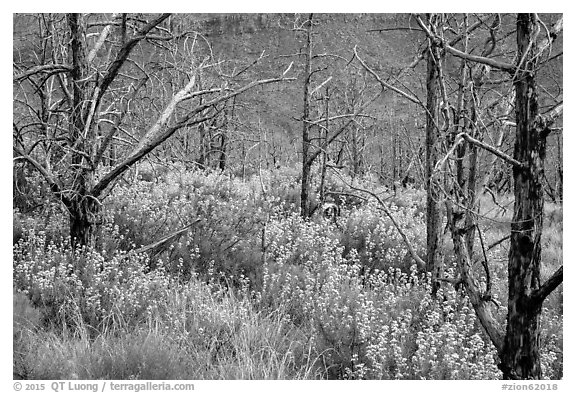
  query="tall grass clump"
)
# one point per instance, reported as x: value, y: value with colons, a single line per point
x: 108, y: 317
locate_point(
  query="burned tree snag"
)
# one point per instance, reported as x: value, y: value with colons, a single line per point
x: 520, y: 358
x: 433, y: 217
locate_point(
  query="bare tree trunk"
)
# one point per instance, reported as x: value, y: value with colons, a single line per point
x: 520, y: 357
x: 324, y: 152
x: 244, y: 159
x: 354, y: 152
x: 479, y: 298
x: 382, y: 161
x: 84, y: 221
x: 519, y: 347
x: 467, y: 185
x: 83, y: 210
x: 559, y: 187
x: 203, y: 148
x: 306, y: 163
x: 434, y: 261
x: 493, y: 170
x: 521, y: 353
x: 224, y: 137
x: 223, y: 147
x: 201, y: 161
x: 394, y: 159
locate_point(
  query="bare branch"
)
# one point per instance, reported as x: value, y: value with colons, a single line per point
x: 453, y: 42
x: 551, y: 37
x: 491, y: 149
x: 419, y: 261
x: 411, y: 29
x: 116, y: 125
x: 249, y: 65
x: 49, y: 69
x: 233, y: 94
x: 148, y: 142
x: 550, y: 285
x: 485, y: 263
x: 319, y: 122
x: 440, y: 164
x: 124, y: 52
x: 543, y: 122
x: 320, y: 85
x: 480, y: 59
x: 466, y: 56
x: 102, y: 38
x: 497, y: 242
x: 386, y: 85
x: 49, y: 177
x: 479, y: 301
x: 287, y: 69
x: 159, y: 132
x: 338, y: 132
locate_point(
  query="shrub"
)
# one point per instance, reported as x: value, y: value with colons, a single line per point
x: 252, y: 290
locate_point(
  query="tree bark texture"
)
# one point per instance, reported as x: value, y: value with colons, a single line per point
x: 521, y: 354
x: 82, y: 210
x: 434, y: 261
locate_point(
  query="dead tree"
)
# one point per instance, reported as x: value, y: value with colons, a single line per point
x: 519, y: 345
x: 434, y: 262
x: 314, y: 143
x: 306, y: 164
x: 87, y: 75
x: 521, y: 351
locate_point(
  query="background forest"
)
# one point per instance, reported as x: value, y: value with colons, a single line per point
x: 287, y: 196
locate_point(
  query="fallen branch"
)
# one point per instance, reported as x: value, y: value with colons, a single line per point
x: 164, y: 240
